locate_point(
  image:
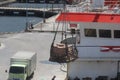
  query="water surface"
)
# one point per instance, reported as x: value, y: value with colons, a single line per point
x: 16, y: 24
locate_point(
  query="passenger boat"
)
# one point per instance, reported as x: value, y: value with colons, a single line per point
x: 98, y: 23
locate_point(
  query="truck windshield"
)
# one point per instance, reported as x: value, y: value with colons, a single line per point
x: 17, y: 70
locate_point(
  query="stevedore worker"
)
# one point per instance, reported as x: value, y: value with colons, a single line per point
x: 53, y: 77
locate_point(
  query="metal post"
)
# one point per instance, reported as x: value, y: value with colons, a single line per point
x: 118, y: 70
x: 44, y: 13
x: 52, y: 6
x: 67, y: 71
x: 53, y: 27
x: 64, y: 10
x: 26, y: 28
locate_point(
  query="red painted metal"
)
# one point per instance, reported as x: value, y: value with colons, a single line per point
x: 112, y: 3
x: 110, y: 48
x: 73, y: 25
x: 89, y: 17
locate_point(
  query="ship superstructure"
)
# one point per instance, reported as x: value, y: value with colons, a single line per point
x: 104, y: 6
x: 98, y: 23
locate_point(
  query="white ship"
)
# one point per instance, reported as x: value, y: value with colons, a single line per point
x: 98, y: 23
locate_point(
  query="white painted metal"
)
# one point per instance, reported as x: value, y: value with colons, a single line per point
x: 92, y: 62
x: 92, y: 69
x: 97, y: 3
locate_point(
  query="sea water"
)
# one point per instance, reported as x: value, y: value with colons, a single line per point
x: 17, y: 24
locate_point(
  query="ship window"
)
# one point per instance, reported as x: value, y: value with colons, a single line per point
x: 116, y: 33
x: 90, y: 32
x: 104, y: 33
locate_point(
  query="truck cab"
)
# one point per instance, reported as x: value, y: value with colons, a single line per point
x: 17, y: 72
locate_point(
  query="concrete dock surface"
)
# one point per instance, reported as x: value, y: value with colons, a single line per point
x: 50, y: 25
x: 38, y: 42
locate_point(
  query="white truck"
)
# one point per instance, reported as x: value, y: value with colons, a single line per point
x: 22, y: 65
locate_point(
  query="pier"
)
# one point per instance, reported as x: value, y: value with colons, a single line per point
x: 6, y: 2
x: 37, y: 12
x: 41, y: 1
